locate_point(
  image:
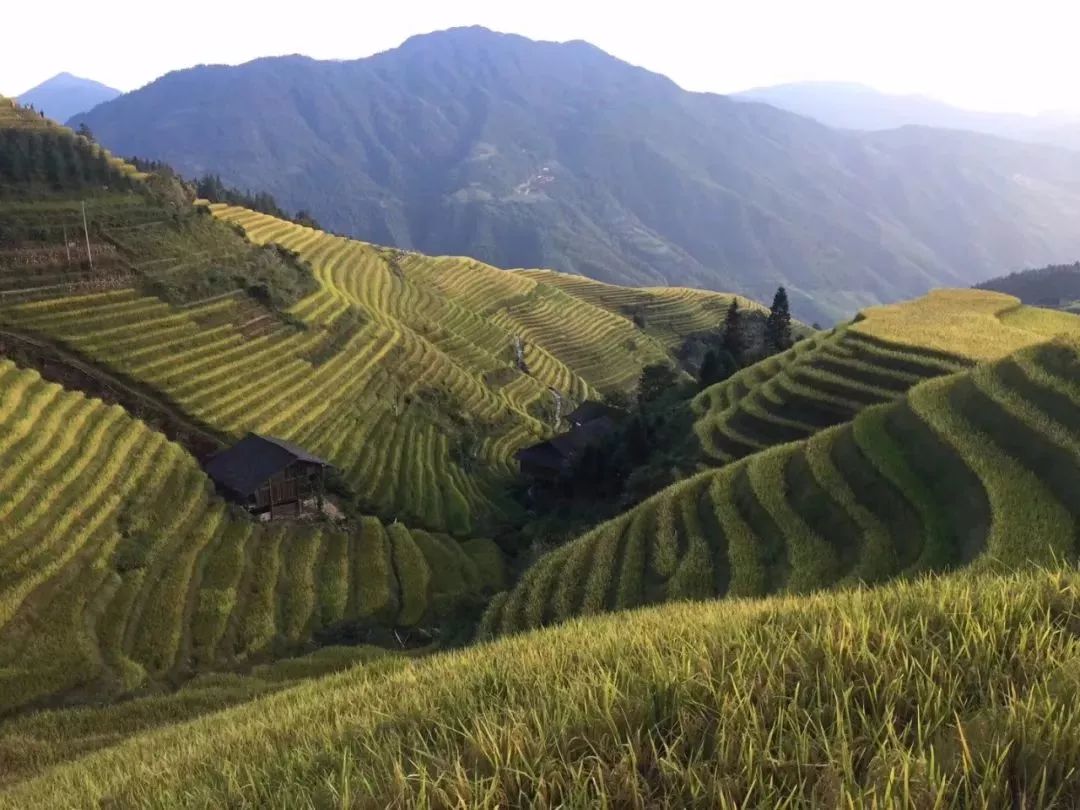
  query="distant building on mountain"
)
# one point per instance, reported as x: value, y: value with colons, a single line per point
x: 546, y: 461
x: 590, y: 411
x: 269, y: 477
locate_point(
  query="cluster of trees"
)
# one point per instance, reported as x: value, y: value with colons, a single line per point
x: 54, y: 159
x: 1047, y: 286
x: 211, y: 187
x: 731, y: 355
x: 653, y: 444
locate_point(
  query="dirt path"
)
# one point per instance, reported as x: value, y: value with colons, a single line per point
x: 73, y: 371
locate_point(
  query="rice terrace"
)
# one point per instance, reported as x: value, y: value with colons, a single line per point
x: 717, y: 471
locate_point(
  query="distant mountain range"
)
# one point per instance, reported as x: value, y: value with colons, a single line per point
x: 537, y: 154
x: 856, y: 106
x: 65, y: 95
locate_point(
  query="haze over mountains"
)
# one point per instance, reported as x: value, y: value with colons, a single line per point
x: 855, y: 106
x: 65, y: 95
x: 535, y: 154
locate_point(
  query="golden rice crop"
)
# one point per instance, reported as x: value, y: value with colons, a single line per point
x: 899, y: 696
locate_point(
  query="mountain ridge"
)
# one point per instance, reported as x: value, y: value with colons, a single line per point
x: 65, y: 95
x: 557, y: 155
x: 850, y: 105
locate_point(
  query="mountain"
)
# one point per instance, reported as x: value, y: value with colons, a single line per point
x: 1057, y: 286
x: 141, y: 329
x: 64, y: 96
x: 856, y: 106
x: 525, y: 154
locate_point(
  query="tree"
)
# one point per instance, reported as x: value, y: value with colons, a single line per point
x: 304, y: 217
x: 655, y: 380
x: 778, y: 324
x: 619, y: 400
x: 734, y: 342
x: 717, y: 366
x: 84, y: 132
x: 638, y: 441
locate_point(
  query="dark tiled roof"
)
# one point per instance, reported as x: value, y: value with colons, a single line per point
x: 544, y: 454
x: 589, y: 411
x: 554, y: 453
x: 249, y: 463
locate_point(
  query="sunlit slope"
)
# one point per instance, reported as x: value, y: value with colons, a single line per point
x: 958, y: 692
x: 829, y: 378
x: 400, y: 369
x: 569, y: 344
x: 981, y: 465
x: 668, y: 313
x: 119, y: 565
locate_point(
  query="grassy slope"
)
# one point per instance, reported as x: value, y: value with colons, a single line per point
x: 949, y: 693
x: 984, y: 464
x: 120, y: 566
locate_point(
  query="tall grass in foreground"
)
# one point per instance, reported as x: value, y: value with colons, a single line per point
x: 956, y: 692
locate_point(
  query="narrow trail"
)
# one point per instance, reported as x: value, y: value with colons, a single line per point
x: 62, y: 365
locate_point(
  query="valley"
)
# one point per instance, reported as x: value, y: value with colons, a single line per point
x: 480, y: 473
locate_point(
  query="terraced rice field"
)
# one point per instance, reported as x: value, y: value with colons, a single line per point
x: 668, y: 313
x: 402, y: 371
x: 980, y: 466
x: 827, y: 379
x: 419, y: 404
x: 119, y: 565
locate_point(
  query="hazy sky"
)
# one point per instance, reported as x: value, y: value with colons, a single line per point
x: 1018, y: 56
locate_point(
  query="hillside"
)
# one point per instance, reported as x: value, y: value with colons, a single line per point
x: 396, y: 363
x: 121, y: 568
x: 828, y: 379
x: 981, y: 465
x: 64, y: 96
x: 401, y: 369
x: 533, y: 154
x: 1056, y: 287
x: 123, y: 573
x: 161, y: 648
x: 855, y: 106
x: 947, y: 693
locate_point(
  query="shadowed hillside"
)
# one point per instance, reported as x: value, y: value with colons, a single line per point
x: 536, y: 154
x: 1057, y: 286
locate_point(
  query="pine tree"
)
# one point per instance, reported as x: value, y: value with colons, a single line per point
x: 655, y: 381
x: 778, y: 324
x: 717, y: 366
x: 734, y: 342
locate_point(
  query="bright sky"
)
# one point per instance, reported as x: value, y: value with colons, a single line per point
x: 982, y: 54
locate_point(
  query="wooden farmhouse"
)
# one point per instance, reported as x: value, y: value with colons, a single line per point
x: 269, y: 477
x: 546, y: 461
x: 590, y: 411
